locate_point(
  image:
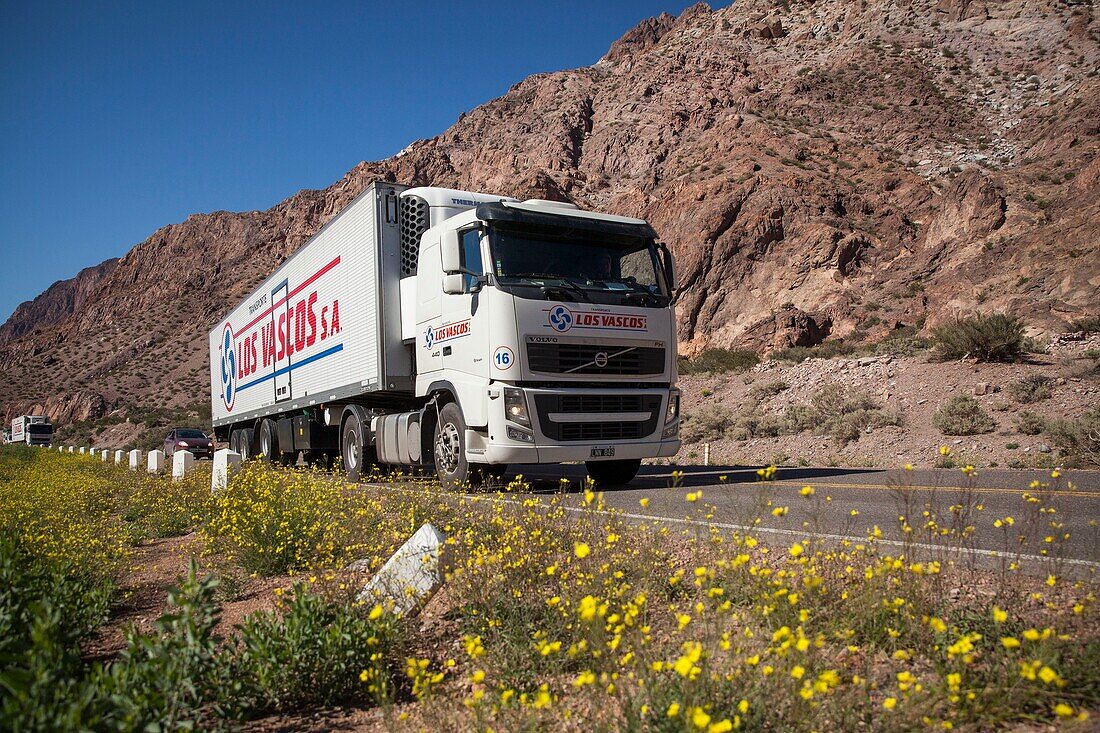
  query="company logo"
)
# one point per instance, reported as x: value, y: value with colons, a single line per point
x: 560, y: 318
x: 229, y: 369
x: 600, y: 359
x: 435, y: 335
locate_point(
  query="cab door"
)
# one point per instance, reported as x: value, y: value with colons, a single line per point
x: 463, y: 337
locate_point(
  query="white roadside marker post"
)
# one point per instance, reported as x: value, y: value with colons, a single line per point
x: 182, y: 461
x: 226, y: 463
x: 156, y: 461
x: 409, y: 578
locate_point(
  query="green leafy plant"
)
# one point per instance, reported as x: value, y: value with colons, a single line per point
x: 314, y: 653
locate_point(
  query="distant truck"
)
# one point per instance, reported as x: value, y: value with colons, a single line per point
x: 458, y: 331
x: 32, y: 430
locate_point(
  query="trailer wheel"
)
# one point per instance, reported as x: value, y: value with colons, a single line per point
x: 246, y: 443
x: 449, y: 450
x: 269, y: 442
x: 613, y: 473
x: 351, y: 447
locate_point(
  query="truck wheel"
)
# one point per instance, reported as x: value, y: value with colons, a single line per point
x: 351, y: 447
x: 246, y: 443
x: 449, y: 450
x: 269, y: 442
x: 613, y: 473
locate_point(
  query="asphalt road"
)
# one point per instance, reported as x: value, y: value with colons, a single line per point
x: 735, y: 496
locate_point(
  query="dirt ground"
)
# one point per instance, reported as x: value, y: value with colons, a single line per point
x: 916, y: 387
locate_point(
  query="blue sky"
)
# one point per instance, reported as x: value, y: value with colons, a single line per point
x: 120, y: 117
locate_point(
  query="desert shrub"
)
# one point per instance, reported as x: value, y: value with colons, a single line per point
x: 902, y: 342
x: 1029, y: 423
x: 825, y: 350
x: 710, y: 423
x: 1031, y: 389
x: 718, y: 361
x: 962, y: 415
x: 999, y: 337
x: 841, y: 412
x: 1088, y: 324
x: 799, y: 418
x: 1078, y: 438
x: 768, y: 389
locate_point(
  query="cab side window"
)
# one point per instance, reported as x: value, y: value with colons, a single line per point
x: 471, y: 257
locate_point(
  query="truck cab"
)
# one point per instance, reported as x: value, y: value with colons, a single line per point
x: 548, y: 334
x: 32, y: 430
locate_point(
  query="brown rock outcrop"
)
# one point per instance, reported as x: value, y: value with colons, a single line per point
x: 913, y: 159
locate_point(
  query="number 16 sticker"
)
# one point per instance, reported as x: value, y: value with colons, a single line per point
x: 504, y: 357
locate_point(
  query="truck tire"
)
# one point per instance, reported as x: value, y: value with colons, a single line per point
x: 247, y: 436
x: 269, y: 442
x: 613, y: 473
x: 352, y: 450
x: 449, y: 450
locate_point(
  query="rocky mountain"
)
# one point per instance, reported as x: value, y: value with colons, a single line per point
x: 820, y: 169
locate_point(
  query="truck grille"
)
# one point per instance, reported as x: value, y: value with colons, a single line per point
x: 565, y: 431
x: 584, y: 359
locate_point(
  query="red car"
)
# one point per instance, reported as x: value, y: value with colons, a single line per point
x: 189, y: 439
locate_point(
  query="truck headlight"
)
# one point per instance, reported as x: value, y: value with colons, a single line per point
x: 182, y: 444
x: 673, y: 412
x: 515, y: 407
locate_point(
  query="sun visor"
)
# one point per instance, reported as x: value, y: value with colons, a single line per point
x: 566, y: 219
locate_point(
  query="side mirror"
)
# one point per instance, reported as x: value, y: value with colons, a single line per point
x: 452, y: 284
x: 669, y: 267
x: 451, y: 251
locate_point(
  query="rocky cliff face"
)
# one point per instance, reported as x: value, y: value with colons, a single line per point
x: 822, y: 169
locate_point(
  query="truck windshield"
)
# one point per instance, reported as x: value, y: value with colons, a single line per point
x: 569, y: 264
x: 40, y: 429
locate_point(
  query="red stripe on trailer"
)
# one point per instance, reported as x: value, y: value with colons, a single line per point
x: 309, y: 281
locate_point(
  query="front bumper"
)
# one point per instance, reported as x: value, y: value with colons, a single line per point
x: 568, y: 424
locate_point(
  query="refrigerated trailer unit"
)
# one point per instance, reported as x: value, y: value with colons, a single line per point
x: 32, y: 430
x: 456, y: 330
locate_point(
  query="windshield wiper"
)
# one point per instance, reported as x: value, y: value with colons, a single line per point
x: 564, y: 281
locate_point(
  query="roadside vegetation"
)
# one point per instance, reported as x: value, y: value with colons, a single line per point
x: 963, y: 415
x: 997, y: 337
x: 838, y: 411
x: 555, y: 614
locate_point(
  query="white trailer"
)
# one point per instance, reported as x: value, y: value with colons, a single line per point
x: 32, y: 430
x: 460, y: 331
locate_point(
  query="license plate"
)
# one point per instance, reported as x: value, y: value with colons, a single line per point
x: 603, y: 452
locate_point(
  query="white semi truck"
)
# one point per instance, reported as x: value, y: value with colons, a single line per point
x: 456, y: 330
x: 32, y: 430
